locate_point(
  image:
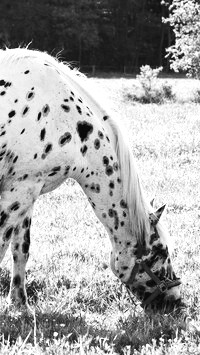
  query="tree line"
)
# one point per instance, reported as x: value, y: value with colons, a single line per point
x: 111, y: 34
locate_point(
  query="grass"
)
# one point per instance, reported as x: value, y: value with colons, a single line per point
x: 81, y: 308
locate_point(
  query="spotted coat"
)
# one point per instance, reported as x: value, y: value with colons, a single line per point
x: 52, y: 129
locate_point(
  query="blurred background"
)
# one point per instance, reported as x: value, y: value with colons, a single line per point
x: 96, y: 35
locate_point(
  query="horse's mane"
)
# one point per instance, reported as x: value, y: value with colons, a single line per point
x: 132, y: 190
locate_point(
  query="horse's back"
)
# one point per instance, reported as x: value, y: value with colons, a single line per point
x: 37, y: 119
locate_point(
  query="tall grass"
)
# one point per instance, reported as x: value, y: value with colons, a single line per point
x: 81, y: 308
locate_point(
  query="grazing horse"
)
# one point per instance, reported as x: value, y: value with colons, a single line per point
x: 51, y: 129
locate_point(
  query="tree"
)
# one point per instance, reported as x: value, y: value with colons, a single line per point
x: 184, y: 17
x: 111, y: 34
x: 76, y: 29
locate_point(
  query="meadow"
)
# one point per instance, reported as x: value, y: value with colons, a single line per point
x: 81, y: 308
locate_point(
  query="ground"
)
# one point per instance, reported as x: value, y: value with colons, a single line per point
x: 81, y: 308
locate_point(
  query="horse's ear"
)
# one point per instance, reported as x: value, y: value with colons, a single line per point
x: 152, y: 202
x: 154, y: 217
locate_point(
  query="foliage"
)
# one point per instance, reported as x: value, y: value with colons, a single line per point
x: 111, y: 33
x: 153, y: 91
x: 184, y: 18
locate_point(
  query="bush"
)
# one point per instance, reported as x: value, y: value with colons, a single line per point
x: 196, y: 97
x: 152, y: 90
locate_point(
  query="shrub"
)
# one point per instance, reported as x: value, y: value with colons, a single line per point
x: 152, y: 90
x: 196, y: 97
x: 148, y: 79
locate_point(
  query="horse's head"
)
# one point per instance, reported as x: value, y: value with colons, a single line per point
x: 147, y: 271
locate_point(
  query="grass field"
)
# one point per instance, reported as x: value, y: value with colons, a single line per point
x: 81, y: 307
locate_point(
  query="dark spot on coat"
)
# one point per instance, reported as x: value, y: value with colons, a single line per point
x: 65, y: 138
x: 97, y: 143
x: 23, y: 177
x: 105, y: 161
x: 65, y: 108
x: 84, y: 129
x: 11, y: 114
x: 8, y: 233
x: 54, y: 171
x: 7, y: 84
x: 105, y: 118
x: 25, y: 247
x: 95, y: 187
x: 124, y: 268
x: 27, y: 236
x: 111, y: 212
x: 15, y: 159
x: 15, y: 258
x: 67, y: 170
x: 2, y: 152
x: 2, y: 82
x: 27, y: 71
x: 112, y: 185
x: 109, y: 170
x: 39, y: 116
x: 17, y: 280
x: 3, y: 218
x: 79, y: 109
x: 26, y: 222
x: 123, y: 204
x: 30, y: 95
x: 15, y: 206
x: 48, y: 148
x: 23, y: 130
x: 100, y: 134
x: 45, y: 110
x: 42, y: 134
x: 84, y: 150
x: 25, y: 111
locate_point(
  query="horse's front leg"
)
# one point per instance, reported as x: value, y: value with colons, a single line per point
x: 20, y: 252
x: 16, y: 213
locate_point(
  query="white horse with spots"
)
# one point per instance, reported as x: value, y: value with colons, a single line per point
x: 51, y: 129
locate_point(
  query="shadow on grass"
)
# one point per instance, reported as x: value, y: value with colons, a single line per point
x: 134, y: 331
x: 132, y: 328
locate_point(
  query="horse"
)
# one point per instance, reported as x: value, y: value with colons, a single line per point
x: 51, y: 129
